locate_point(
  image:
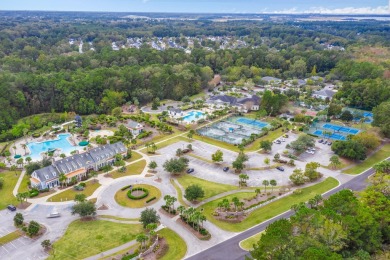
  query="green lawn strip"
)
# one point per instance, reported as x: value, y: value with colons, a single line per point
x: 273, y: 166
x: 214, y: 142
x: 197, y: 96
x: 271, y: 136
x: 199, y: 157
x: 247, y: 244
x: 10, y: 237
x: 6, y: 195
x: 118, y: 218
x: 177, y: 246
x: 87, y: 238
x: 132, y: 169
x: 24, y: 184
x: 69, y: 194
x: 134, y: 156
x: 210, y: 188
x: 119, y: 253
x: 122, y: 199
x: 168, y: 142
x: 377, y: 157
x: 179, y: 193
x: 269, y: 211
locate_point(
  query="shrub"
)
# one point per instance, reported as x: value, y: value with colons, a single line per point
x: 151, y: 199
x: 82, y: 184
x: 144, y: 195
x: 33, y: 193
x: 125, y: 188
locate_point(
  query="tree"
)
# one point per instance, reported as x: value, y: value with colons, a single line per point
x: 265, y: 183
x: 346, y: 116
x: 311, y: 172
x: 33, y: 228
x: 142, y: 238
x: 62, y: 178
x: 179, y: 152
x: 81, y: 197
x: 176, y: 165
x: 169, y: 202
x: 242, y: 179
x: 273, y: 184
x: 349, y: 149
x: 84, y: 209
x: 152, y: 165
x: 257, y: 191
x: 1, y: 182
x: 46, y: 244
x: 149, y: 216
x: 238, y: 164
x: 20, y: 197
x: 302, y: 143
x: 189, y: 147
x: 191, y: 133
x: 266, y: 145
x: 368, y: 140
x: 381, y: 117
x: 335, y: 161
x: 334, y: 109
x: 276, y: 157
x: 152, y: 229
x: 267, y: 161
x: 217, y: 156
x: 28, y: 159
x: 117, y: 112
x: 225, y: 204
x: 93, y: 174
x: 193, y: 192
x: 18, y: 219
x: 297, y: 177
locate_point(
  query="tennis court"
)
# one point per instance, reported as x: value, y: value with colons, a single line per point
x: 252, y: 122
x: 332, y: 136
x: 343, y: 129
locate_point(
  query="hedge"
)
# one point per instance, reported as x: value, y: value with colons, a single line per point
x: 151, y: 199
x: 125, y: 188
x: 146, y: 193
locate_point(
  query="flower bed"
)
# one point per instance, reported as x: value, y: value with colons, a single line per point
x: 137, y: 197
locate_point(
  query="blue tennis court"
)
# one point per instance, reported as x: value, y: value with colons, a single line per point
x: 333, y: 136
x: 252, y: 122
x: 343, y: 129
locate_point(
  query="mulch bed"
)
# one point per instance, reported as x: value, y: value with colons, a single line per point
x: 162, y: 211
x: 189, y: 228
x: 158, y: 180
x: 149, y: 175
x: 23, y: 205
x: 163, y: 248
x: 102, y: 207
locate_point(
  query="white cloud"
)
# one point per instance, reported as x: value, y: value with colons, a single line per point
x: 345, y: 10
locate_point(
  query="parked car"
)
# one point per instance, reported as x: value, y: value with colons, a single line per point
x: 280, y: 168
x: 329, y: 143
x: 312, y: 149
x: 285, y: 136
x: 278, y: 142
x: 225, y: 169
x: 282, y: 139
x: 309, y: 152
x: 54, y: 214
x: 190, y: 170
x: 11, y: 207
x: 325, y: 142
x: 320, y: 141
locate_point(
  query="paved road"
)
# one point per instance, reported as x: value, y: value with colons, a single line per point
x: 230, y: 248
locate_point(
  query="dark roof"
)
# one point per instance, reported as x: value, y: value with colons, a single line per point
x: 324, y: 92
x: 74, y: 162
x: 106, y: 151
x: 47, y: 173
x: 132, y: 124
x: 225, y: 98
x: 176, y: 110
x: 255, y: 99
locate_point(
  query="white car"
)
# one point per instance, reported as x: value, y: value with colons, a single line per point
x: 282, y: 139
x: 310, y: 152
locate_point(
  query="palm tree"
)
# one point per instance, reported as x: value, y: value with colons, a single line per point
x: 257, y: 191
x: 62, y: 178
x: 152, y: 229
x: 28, y: 159
x: 265, y: 183
x: 317, y: 198
x: 24, y: 146
x: 181, y: 209
x: 93, y: 174
x: 236, y: 202
x: 273, y: 184
x: 142, y: 238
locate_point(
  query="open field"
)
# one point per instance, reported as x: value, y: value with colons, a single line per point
x: 134, y: 156
x: 271, y: 210
x: 210, y: 188
x: 122, y: 199
x: 69, y: 194
x: 377, y: 157
x: 88, y: 238
x: 177, y: 246
x: 6, y: 195
x: 132, y: 169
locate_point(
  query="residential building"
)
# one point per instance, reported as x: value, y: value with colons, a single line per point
x: 77, y: 166
x: 271, y: 80
x: 134, y: 127
x: 324, y: 94
x: 242, y: 104
x: 175, y: 112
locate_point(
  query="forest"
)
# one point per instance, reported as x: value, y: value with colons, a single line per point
x: 41, y: 72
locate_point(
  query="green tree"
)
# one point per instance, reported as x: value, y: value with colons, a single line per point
x: 242, y: 179
x: 148, y: 216
x: 141, y: 238
x: 179, y: 152
x: 117, y: 112
x: 346, y: 116
x: 217, y: 156
x: 176, y: 165
x: 33, y: 228
x: 265, y: 183
x: 18, y: 219
x: 46, y: 244
x: 266, y: 145
x: 84, y: 209
x: 335, y: 161
x: 381, y: 117
x: 193, y: 192
x: 302, y: 143
x: 349, y: 149
x: 311, y: 172
x: 297, y: 177
x: 81, y: 197
x: 273, y: 184
x: 267, y: 161
x: 152, y: 165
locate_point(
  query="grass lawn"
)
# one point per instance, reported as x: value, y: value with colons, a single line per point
x: 197, y: 96
x: 23, y: 185
x: 124, y: 251
x: 210, y: 188
x: 177, y: 246
x: 371, y: 161
x: 10, y: 237
x: 124, y: 201
x: 69, y: 194
x: 247, y: 244
x: 88, y: 238
x: 179, y: 193
x: 168, y: 142
x: 118, y: 218
x: 214, y: 142
x: 271, y: 136
x: 269, y: 211
x: 134, y: 156
x: 6, y: 196
x: 132, y: 169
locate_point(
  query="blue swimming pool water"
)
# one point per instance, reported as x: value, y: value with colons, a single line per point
x: 193, y: 116
x: 251, y: 122
x: 61, y: 143
x: 342, y: 129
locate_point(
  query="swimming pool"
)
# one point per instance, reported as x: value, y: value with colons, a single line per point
x: 342, y: 129
x: 193, y: 116
x: 60, y: 143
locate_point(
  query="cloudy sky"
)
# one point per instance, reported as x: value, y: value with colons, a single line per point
x: 205, y: 6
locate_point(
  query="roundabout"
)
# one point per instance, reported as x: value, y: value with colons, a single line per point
x: 137, y: 196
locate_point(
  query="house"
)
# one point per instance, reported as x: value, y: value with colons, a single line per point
x: 76, y: 166
x: 249, y: 103
x: 134, y: 127
x: 175, y: 112
x: 323, y: 94
x: 243, y: 104
x: 221, y: 101
x: 270, y: 80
